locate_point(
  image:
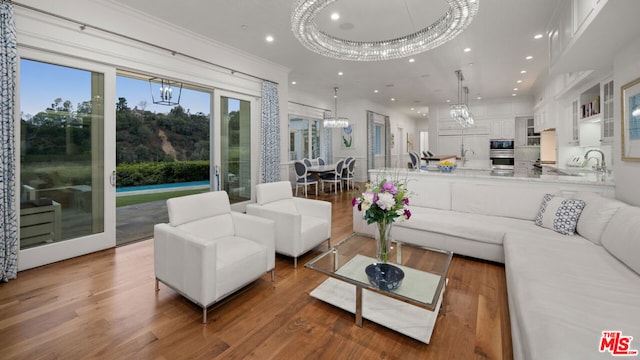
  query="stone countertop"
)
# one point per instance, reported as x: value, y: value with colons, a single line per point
x: 591, y: 178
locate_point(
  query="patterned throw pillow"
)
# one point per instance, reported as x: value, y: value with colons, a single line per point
x: 559, y: 214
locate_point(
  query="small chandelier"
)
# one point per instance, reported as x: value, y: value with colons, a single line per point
x: 166, y: 92
x: 336, y: 121
x: 448, y: 26
x: 460, y: 111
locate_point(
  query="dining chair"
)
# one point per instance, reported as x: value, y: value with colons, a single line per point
x: 304, y: 179
x: 320, y: 161
x: 307, y: 162
x: 334, y: 177
x: 350, y: 174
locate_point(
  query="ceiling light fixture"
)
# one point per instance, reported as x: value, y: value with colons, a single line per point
x: 460, y: 111
x: 335, y: 16
x: 166, y: 91
x: 305, y: 29
x: 269, y: 38
x: 538, y: 36
x: 412, y: 60
x: 529, y: 57
x: 335, y: 121
x: 467, y: 49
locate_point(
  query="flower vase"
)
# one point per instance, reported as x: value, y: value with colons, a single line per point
x: 383, y: 241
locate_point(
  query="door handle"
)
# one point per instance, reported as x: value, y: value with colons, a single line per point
x: 112, y: 178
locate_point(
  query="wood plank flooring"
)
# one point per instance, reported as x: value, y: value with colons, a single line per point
x: 103, y: 305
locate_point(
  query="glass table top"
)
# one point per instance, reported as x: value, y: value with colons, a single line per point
x: 425, y: 269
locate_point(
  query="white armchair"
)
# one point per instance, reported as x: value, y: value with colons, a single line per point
x: 206, y: 252
x: 301, y: 224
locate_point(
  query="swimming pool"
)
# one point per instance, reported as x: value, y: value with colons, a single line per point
x: 162, y: 187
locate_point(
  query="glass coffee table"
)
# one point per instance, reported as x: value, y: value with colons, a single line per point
x: 411, y: 309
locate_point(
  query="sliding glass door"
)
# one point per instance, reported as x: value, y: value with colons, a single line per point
x: 234, y: 166
x: 65, y: 168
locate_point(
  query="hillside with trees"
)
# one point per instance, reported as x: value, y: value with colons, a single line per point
x: 145, y: 136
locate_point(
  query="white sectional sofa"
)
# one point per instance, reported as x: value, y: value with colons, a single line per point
x: 564, y: 290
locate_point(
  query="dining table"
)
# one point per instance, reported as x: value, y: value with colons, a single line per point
x: 318, y: 169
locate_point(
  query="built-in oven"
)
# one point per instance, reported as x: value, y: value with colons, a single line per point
x: 501, y: 144
x: 502, y: 154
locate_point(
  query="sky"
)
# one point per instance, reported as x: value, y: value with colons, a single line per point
x: 42, y: 83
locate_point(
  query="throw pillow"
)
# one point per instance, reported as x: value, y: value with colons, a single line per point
x: 559, y: 214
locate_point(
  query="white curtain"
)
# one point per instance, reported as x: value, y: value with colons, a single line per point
x: 9, y: 241
x: 270, y: 134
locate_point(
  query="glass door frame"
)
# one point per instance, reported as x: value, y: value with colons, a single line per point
x: 216, y: 141
x: 49, y: 253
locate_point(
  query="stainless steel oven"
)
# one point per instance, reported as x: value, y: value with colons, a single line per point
x: 501, y: 144
x: 502, y: 154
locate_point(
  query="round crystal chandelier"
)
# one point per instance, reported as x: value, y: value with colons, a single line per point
x: 306, y: 30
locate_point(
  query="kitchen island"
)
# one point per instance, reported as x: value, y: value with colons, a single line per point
x: 521, y: 180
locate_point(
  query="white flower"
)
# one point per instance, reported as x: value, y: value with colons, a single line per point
x: 386, y: 201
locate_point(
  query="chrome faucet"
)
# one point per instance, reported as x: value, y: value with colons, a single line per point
x: 599, y: 167
x: 464, y: 155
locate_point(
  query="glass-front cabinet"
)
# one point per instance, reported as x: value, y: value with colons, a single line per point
x: 607, y: 111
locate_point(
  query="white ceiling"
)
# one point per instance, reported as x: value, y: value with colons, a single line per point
x: 500, y: 38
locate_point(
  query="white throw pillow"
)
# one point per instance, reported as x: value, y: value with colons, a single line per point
x: 559, y: 214
x: 596, y: 215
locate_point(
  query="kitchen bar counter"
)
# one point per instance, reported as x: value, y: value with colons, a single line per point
x: 588, y: 181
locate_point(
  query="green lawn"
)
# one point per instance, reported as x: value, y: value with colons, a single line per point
x: 143, y: 198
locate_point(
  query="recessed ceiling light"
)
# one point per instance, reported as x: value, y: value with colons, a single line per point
x: 529, y: 57
x: 519, y: 81
x: 538, y: 36
x: 425, y: 114
x: 419, y: 111
x: 523, y: 71
x: 412, y: 60
x: 467, y: 49
x: 514, y: 94
x: 335, y: 16
x: 393, y: 99
x: 293, y: 83
x: 479, y: 98
x: 375, y: 91
x: 515, y: 89
x: 269, y: 38
x: 340, y: 73
x: 448, y: 100
x: 413, y: 109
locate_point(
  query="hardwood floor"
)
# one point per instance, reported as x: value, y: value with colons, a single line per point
x: 103, y: 305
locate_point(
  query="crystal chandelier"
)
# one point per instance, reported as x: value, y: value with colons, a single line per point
x: 460, y: 111
x: 336, y: 121
x: 305, y: 29
x: 166, y: 92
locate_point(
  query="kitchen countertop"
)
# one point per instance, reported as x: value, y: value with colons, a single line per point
x: 585, y: 177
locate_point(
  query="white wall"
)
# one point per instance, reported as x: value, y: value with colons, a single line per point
x: 627, y: 173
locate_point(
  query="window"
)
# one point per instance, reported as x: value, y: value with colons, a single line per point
x: 304, y: 138
x: 378, y: 139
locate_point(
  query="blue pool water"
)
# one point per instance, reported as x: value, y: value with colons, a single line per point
x: 162, y: 186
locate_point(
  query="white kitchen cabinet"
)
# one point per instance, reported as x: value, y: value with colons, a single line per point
x: 521, y: 131
x: 503, y: 129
